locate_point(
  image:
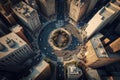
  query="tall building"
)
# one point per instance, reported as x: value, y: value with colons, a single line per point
x: 73, y: 72
x: 47, y: 7
x: 97, y: 55
x: 20, y: 32
x: 78, y: 9
x: 91, y: 5
x: 104, y: 16
x: 41, y: 71
x: 15, y: 53
x: 27, y: 15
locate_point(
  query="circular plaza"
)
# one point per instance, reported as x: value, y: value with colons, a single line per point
x: 59, y: 41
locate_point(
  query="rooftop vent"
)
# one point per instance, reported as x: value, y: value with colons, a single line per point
x: 11, y: 43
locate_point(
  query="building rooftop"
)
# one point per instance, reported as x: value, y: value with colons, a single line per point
x: 23, y: 9
x: 73, y: 70
x: 102, y: 17
x: 16, y: 28
x: 99, y: 48
x: 95, y: 23
x: 10, y: 43
x: 79, y: 3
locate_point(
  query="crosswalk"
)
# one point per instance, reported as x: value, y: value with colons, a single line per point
x: 59, y: 23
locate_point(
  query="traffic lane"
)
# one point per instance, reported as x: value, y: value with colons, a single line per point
x: 60, y: 71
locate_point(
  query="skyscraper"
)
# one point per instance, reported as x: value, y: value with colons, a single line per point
x: 15, y: 53
x: 97, y: 55
x: 27, y: 15
x: 78, y: 9
x: 104, y: 16
x: 47, y: 7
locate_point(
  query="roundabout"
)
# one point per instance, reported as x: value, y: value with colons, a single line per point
x: 63, y: 41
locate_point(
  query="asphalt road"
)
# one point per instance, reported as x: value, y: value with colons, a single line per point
x: 60, y: 71
x: 60, y: 4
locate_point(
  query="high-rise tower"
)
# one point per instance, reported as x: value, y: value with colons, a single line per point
x: 27, y: 15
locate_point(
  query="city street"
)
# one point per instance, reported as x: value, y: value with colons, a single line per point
x: 60, y: 9
x: 60, y: 71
